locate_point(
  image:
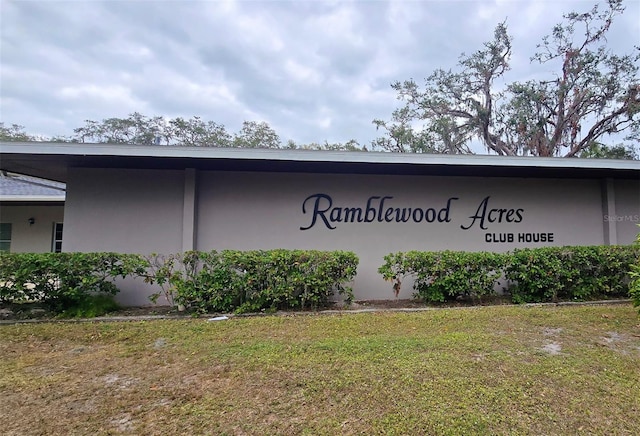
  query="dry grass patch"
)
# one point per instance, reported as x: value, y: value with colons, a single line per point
x: 513, y: 370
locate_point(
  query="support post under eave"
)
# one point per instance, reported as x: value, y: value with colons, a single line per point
x: 189, y: 211
x: 609, y: 212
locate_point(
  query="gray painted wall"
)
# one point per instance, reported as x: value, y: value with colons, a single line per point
x: 143, y: 211
x: 126, y: 211
x: 253, y: 210
x: 627, y: 216
x: 129, y: 211
x: 27, y: 238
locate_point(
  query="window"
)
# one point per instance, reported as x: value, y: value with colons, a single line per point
x: 5, y: 236
x: 56, y: 245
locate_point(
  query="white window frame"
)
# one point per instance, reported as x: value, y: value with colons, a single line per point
x: 8, y: 250
x: 55, y: 248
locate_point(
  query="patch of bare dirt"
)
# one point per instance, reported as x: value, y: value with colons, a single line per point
x: 416, y: 303
x: 148, y: 311
x: 21, y: 312
x: 34, y: 312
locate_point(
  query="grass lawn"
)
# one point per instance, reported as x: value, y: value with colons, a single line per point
x: 485, y: 370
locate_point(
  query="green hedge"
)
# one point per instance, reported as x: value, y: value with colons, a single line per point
x: 444, y: 275
x: 634, y: 286
x: 61, y: 281
x: 570, y: 273
x: 203, y: 281
x: 533, y: 275
x: 249, y: 281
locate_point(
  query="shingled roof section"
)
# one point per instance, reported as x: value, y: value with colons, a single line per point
x: 15, y: 186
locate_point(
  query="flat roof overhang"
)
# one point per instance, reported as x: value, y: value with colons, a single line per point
x: 32, y: 198
x: 52, y: 160
x: 4, y: 202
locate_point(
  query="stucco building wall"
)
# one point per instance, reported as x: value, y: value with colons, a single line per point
x: 36, y: 237
x: 627, y: 216
x: 264, y: 210
x: 167, y: 211
x: 126, y: 211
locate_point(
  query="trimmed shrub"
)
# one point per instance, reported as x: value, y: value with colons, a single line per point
x: 536, y: 275
x: 200, y: 280
x: 250, y: 281
x: 546, y: 274
x: 634, y: 273
x: 444, y: 275
x: 61, y: 281
x: 569, y: 273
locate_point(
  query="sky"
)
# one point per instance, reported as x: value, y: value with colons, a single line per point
x: 314, y: 70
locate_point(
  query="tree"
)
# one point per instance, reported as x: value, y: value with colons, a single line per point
x: 350, y: 145
x: 14, y: 133
x: 196, y: 133
x: 595, y: 94
x: 601, y: 151
x: 401, y: 137
x: 138, y: 129
x: 135, y: 129
x: 256, y: 135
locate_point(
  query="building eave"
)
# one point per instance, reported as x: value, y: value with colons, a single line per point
x: 52, y: 160
x: 32, y: 199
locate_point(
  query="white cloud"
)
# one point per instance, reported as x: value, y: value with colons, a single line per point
x: 94, y: 92
x: 315, y: 70
x: 302, y: 73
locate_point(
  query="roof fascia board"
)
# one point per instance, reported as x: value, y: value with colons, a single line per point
x: 380, y: 158
x: 34, y: 198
